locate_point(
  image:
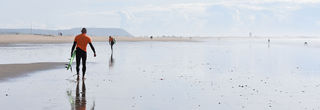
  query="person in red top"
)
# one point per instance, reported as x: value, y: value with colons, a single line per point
x: 111, y: 42
x: 81, y: 41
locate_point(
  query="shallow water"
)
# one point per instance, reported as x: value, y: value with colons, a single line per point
x: 217, y: 74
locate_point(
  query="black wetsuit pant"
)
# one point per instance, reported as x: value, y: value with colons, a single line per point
x: 80, y: 54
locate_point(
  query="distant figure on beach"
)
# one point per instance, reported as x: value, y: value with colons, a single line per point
x: 268, y: 42
x: 305, y: 43
x: 81, y: 41
x: 112, y: 41
x: 151, y: 37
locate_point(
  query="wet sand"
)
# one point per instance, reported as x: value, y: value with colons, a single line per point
x: 15, y: 70
x: 40, y: 39
x: 230, y: 74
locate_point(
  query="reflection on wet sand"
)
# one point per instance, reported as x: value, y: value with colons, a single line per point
x: 111, y: 61
x: 80, y: 102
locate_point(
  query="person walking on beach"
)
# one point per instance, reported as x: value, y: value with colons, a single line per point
x: 112, y: 41
x: 81, y: 41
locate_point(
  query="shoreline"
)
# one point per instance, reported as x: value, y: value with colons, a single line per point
x: 7, y: 39
x: 9, y: 71
x: 41, y: 39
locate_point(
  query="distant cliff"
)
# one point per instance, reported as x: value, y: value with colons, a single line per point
x: 70, y: 32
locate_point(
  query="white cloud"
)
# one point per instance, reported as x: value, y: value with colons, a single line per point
x: 271, y: 1
x: 196, y: 14
x: 182, y: 7
x: 166, y: 16
x: 92, y: 13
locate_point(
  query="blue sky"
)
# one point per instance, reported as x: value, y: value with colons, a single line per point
x: 169, y: 17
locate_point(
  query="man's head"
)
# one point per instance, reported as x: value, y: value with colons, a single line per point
x: 109, y: 36
x: 84, y: 30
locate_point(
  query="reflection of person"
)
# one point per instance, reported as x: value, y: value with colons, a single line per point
x: 112, y: 41
x: 111, y: 61
x: 81, y: 100
x: 81, y: 41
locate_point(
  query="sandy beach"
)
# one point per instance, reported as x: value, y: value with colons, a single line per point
x: 238, y: 73
x: 10, y: 71
x: 14, y: 39
x: 160, y: 55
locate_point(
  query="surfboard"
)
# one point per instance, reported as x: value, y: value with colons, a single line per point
x: 114, y: 41
x: 71, y: 60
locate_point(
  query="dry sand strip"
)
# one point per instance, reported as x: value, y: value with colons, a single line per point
x: 8, y: 71
x: 15, y: 39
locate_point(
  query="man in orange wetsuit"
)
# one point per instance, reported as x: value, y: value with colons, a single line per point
x: 81, y: 41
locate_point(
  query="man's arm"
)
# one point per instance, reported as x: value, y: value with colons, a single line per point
x: 94, y: 51
x: 73, y: 46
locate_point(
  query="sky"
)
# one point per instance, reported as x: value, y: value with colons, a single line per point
x: 169, y: 17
